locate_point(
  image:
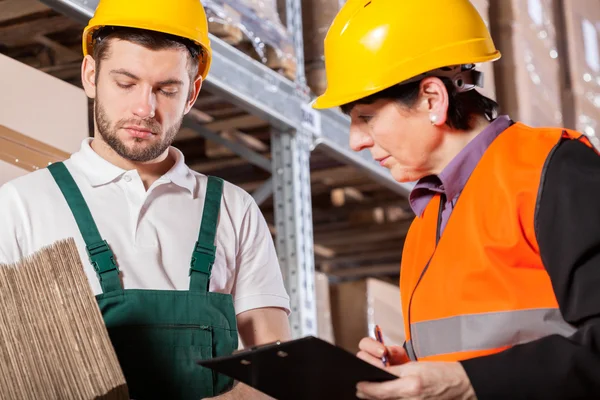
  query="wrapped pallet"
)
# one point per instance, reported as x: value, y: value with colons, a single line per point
x: 489, y: 87
x: 357, y: 306
x: 317, y: 16
x: 254, y: 26
x: 61, y: 121
x: 581, y: 96
x: 525, y: 34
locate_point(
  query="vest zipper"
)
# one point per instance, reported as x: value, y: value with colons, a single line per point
x: 437, y: 239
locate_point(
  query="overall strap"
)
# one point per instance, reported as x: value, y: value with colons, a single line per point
x: 203, y: 256
x: 101, y: 256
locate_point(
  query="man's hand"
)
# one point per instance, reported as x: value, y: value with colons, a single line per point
x: 256, y: 327
x: 418, y: 380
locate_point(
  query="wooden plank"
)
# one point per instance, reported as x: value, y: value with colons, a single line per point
x: 245, y: 121
x: 63, y: 71
x: 360, y: 235
x: 213, y: 165
x: 249, y: 141
x: 320, y: 251
x: 63, y: 54
x: 372, y: 270
x: 13, y: 9
x: 341, y: 196
x: 200, y: 116
x: 369, y: 247
x: 24, y: 33
x: 392, y: 254
x: 187, y: 134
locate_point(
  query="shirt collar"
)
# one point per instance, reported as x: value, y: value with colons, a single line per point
x: 455, y: 175
x: 99, y: 171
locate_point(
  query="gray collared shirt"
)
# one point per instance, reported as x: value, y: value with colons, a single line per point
x: 453, y: 178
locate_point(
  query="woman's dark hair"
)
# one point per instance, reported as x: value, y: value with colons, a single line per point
x: 462, y: 107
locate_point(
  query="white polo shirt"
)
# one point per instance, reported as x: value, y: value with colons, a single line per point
x: 152, y: 233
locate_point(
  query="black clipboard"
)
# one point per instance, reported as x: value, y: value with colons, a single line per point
x: 300, y: 369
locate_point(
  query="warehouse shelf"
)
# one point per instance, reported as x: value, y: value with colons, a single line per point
x: 297, y: 131
x: 267, y: 94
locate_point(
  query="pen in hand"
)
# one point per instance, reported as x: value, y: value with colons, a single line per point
x: 379, y: 338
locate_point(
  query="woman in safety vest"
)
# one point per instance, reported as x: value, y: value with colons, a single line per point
x: 500, y: 274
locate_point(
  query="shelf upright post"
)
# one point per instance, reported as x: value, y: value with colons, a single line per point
x: 291, y: 150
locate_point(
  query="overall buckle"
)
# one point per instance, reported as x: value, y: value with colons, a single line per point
x: 203, y: 258
x: 101, y: 257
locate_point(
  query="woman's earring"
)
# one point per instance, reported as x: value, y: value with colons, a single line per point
x: 433, y: 118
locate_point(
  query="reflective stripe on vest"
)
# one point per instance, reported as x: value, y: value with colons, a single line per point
x: 486, y: 331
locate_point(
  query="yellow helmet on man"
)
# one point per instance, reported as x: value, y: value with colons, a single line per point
x: 183, y: 18
x: 375, y: 44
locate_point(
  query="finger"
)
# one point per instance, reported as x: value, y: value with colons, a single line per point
x: 397, y: 355
x: 370, y: 359
x: 361, y: 395
x: 408, y: 387
x: 372, y: 347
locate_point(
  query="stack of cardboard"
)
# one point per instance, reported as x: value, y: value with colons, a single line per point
x: 53, y: 341
x: 581, y: 95
x: 43, y: 119
x: 528, y: 74
x: 356, y: 307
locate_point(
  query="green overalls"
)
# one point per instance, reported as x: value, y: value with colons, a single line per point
x: 159, y: 335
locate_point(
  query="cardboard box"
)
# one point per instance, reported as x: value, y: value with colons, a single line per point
x: 43, y: 119
x: 26, y: 153
x: 358, y: 306
x: 528, y: 74
x: 489, y: 86
x: 581, y: 96
x: 324, y: 322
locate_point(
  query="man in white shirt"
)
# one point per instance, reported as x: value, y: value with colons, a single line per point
x: 179, y: 262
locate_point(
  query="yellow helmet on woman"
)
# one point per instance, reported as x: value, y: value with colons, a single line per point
x: 183, y: 18
x: 375, y: 44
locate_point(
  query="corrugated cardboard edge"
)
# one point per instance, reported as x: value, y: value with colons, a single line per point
x: 25, y: 152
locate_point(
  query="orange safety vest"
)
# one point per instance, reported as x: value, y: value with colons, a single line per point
x: 483, y: 288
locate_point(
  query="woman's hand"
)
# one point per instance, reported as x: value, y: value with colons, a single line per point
x: 417, y: 380
x: 371, y: 351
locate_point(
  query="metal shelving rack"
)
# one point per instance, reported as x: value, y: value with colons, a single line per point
x: 297, y: 130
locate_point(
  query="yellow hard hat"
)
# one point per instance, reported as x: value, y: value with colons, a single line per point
x: 183, y: 18
x: 375, y: 44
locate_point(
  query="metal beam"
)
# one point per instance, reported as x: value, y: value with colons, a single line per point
x: 263, y: 192
x: 265, y: 93
x: 251, y: 156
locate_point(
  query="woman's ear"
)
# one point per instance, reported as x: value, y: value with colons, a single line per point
x: 435, y: 100
x: 88, y: 76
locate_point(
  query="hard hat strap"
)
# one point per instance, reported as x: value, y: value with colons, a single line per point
x: 464, y: 77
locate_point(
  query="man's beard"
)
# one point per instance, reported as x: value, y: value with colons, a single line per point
x: 108, y: 131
